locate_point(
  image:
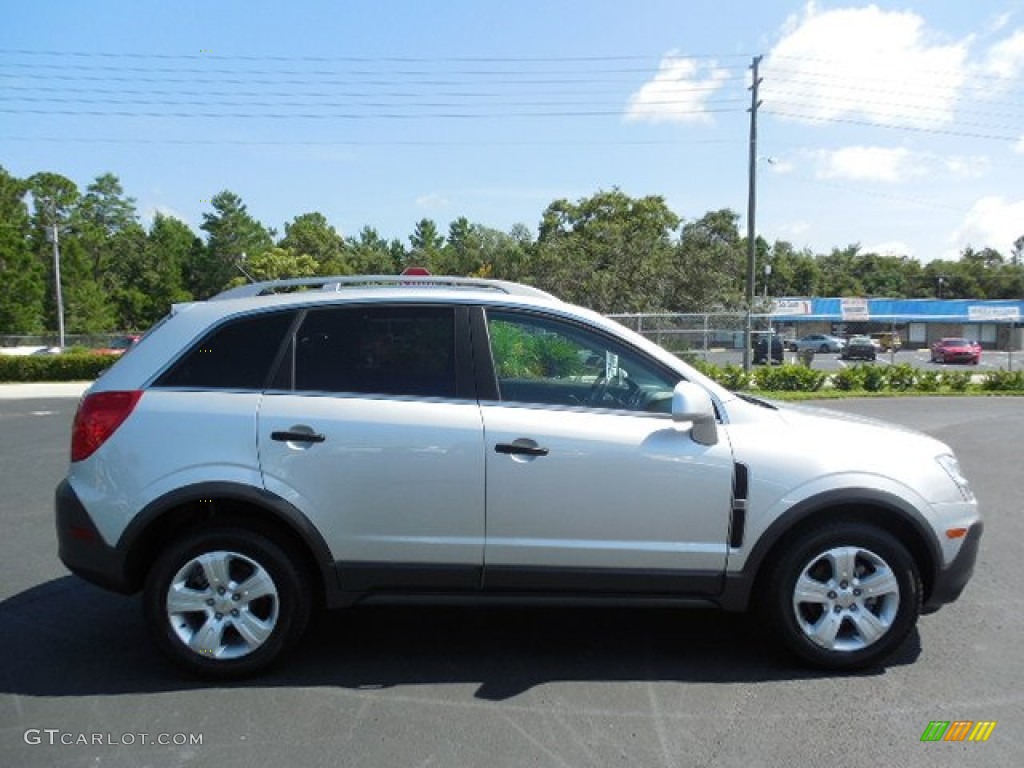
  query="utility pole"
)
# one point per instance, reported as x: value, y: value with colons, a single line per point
x: 751, y: 213
x: 55, y: 238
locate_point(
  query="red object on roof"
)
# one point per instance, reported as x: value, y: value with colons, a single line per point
x: 416, y: 272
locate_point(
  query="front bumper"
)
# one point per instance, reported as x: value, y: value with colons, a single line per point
x: 81, y: 547
x: 950, y: 581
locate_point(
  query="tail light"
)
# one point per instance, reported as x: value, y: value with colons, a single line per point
x: 98, y: 417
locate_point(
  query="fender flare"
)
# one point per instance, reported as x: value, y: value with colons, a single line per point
x: 740, y: 584
x: 277, y: 508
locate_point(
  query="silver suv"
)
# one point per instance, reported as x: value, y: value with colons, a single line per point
x: 280, y: 449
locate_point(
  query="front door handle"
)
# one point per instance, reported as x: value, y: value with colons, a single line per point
x: 520, y: 449
x: 288, y: 436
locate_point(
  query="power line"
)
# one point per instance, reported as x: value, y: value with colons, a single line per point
x: 344, y: 81
x: 927, y: 71
x: 903, y: 127
x: 366, y: 59
x: 915, y: 112
x: 375, y: 104
x: 365, y: 143
x: 345, y: 115
x: 617, y: 92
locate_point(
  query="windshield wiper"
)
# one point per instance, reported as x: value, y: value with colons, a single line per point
x: 756, y: 401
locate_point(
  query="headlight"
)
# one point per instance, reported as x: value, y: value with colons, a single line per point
x: 949, y: 463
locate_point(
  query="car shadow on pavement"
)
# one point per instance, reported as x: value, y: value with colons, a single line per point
x: 67, y: 638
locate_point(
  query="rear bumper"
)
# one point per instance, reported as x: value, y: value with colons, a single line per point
x: 81, y: 547
x: 950, y: 581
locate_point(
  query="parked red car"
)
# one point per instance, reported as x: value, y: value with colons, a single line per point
x: 956, y: 350
x: 120, y: 345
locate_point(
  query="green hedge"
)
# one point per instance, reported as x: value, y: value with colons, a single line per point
x: 863, y: 378
x: 77, y: 365
x: 74, y: 366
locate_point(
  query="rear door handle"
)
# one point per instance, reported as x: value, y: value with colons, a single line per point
x: 520, y: 449
x: 288, y: 436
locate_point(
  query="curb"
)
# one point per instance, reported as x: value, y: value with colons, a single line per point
x: 43, y: 389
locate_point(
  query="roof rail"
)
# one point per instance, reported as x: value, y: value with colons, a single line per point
x: 338, y: 282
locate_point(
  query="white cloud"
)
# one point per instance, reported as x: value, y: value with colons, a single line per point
x: 967, y: 167
x: 1005, y: 59
x: 889, y: 165
x: 893, y: 165
x: 1019, y: 146
x: 150, y: 214
x: 790, y: 230
x: 890, y: 248
x: 432, y: 201
x: 863, y: 64
x: 678, y: 93
x: 999, y: 22
x: 992, y: 222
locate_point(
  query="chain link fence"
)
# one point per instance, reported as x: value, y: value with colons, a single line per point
x: 91, y: 341
x: 697, y: 333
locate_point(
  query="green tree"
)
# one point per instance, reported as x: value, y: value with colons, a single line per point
x: 310, y: 234
x: 21, y: 275
x: 839, y: 272
x: 610, y: 251
x: 87, y: 304
x: 794, y: 273
x: 100, y: 216
x: 53, y: 200
x: 231, y: 232
x: 887, y: 276
x: 710, y: 259
x: 371, y: 254
x: 276, y: 264
x: 151, y: 281
x: 425, y: 246
x: 462, y: 253
x: 503, y: 255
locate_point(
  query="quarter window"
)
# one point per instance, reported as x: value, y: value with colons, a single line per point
x: 237, y: 355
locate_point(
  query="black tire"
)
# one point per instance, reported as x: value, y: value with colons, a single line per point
x: 237, y: 631
x: 878, y: 561
x: 823, y: 348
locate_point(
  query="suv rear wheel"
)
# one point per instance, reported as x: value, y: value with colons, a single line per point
x: 844, y: 597
x: 225, y: 601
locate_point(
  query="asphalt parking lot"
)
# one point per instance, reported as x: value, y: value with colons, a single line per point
x: 516, y: 686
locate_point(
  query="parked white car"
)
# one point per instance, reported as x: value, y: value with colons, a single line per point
x: 262, y: 455
x: 818, y: 342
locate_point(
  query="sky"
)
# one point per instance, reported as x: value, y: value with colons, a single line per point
x: 895, y: 126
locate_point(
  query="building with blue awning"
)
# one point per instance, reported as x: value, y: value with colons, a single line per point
x: 995, y: 323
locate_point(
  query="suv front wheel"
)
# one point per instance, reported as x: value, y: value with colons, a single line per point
x: 844, y: 597
x: 225, y: 601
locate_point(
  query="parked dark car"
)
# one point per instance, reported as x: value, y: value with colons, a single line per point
x: 859, y: 348
x: 956, y: 350
x: 761, y: 351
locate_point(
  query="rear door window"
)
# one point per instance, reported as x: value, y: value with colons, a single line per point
x: 383, y: 350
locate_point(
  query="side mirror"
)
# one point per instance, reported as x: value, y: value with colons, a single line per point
x: 692, y: 403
